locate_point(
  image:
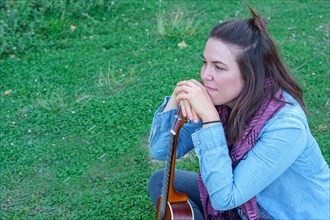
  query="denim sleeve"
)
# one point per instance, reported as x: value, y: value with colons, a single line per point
x: 280, y: 143
x: 160, y: 134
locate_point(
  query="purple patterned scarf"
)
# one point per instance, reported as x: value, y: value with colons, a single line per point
x: 269, y: 108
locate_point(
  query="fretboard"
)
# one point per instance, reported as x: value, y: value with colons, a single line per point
x: 167, y: 174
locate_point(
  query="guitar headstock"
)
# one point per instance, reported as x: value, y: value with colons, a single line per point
x: 179, y: 120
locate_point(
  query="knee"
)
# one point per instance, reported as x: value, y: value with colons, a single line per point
x: 155, y: 185
x: 156, y: 179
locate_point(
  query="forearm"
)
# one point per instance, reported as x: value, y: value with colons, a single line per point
x: 160, y: 133
x: 171, y: 104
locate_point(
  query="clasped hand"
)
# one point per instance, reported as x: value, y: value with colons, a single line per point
x: 196, y: 103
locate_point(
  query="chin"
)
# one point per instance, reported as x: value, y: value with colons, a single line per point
x: 219, y: 102
x: 216, y: 103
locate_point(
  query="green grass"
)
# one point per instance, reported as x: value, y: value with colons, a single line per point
x: 76, y: 106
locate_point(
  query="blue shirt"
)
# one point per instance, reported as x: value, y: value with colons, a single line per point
x: 285, y: 170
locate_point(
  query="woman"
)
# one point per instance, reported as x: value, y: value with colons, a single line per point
x: 257, y: 156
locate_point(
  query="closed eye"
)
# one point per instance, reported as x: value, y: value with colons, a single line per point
x: 219, y: 68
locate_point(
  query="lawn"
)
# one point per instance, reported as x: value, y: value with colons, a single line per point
x: 80, y: 83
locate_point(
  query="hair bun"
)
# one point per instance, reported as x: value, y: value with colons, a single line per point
x: 263, y: 23
x: 260, y: 23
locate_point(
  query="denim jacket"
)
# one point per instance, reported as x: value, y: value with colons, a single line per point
x: 285, y: 170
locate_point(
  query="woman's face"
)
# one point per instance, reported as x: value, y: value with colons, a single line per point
x: 220, y: 73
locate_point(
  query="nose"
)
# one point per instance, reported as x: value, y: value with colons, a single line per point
x: 206, y: 73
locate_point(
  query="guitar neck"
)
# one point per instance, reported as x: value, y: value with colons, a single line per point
x: 168, y: 189
x: 167, y: 175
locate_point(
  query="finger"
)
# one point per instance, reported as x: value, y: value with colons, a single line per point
x: 190, y: 113
x: 177, y: 90
x: 196, y: 117
x: 184, y: 89
x: 181, y: 89
x: 197, y: 83
x: 182, y: 96
x: 188, y: 109
x: 183, y: 108
x: 191, y: 86
x: 181, y: 83
x: 191, y: 82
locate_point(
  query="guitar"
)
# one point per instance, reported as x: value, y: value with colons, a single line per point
x: 173, y: 205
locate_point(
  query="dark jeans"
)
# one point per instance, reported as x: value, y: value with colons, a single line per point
x: 187, y: 182
x: 184, y: 181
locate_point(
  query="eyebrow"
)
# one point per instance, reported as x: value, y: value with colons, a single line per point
x: 215, y: 62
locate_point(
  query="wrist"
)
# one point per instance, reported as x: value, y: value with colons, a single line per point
x: 211, y: 119
x: 212, y: 116
x: 209, y: 123
x: 171, y: 104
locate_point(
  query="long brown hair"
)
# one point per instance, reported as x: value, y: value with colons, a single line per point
x: 258, y: 59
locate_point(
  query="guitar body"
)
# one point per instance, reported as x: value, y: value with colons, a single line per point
x: 175, y: 211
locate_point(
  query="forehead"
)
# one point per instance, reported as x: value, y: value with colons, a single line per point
x: 217, y: 50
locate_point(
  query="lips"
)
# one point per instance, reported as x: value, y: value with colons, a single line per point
x: 209, y: 88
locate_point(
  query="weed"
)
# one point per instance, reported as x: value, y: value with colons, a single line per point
x: 176, y: 24
x: 114, y: 79
x: 52, y: 101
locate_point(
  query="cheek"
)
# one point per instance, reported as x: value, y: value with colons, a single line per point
x: 231, y: 86
x: 237, y: 85
x: 224, y: 82
x: 240, y: 83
